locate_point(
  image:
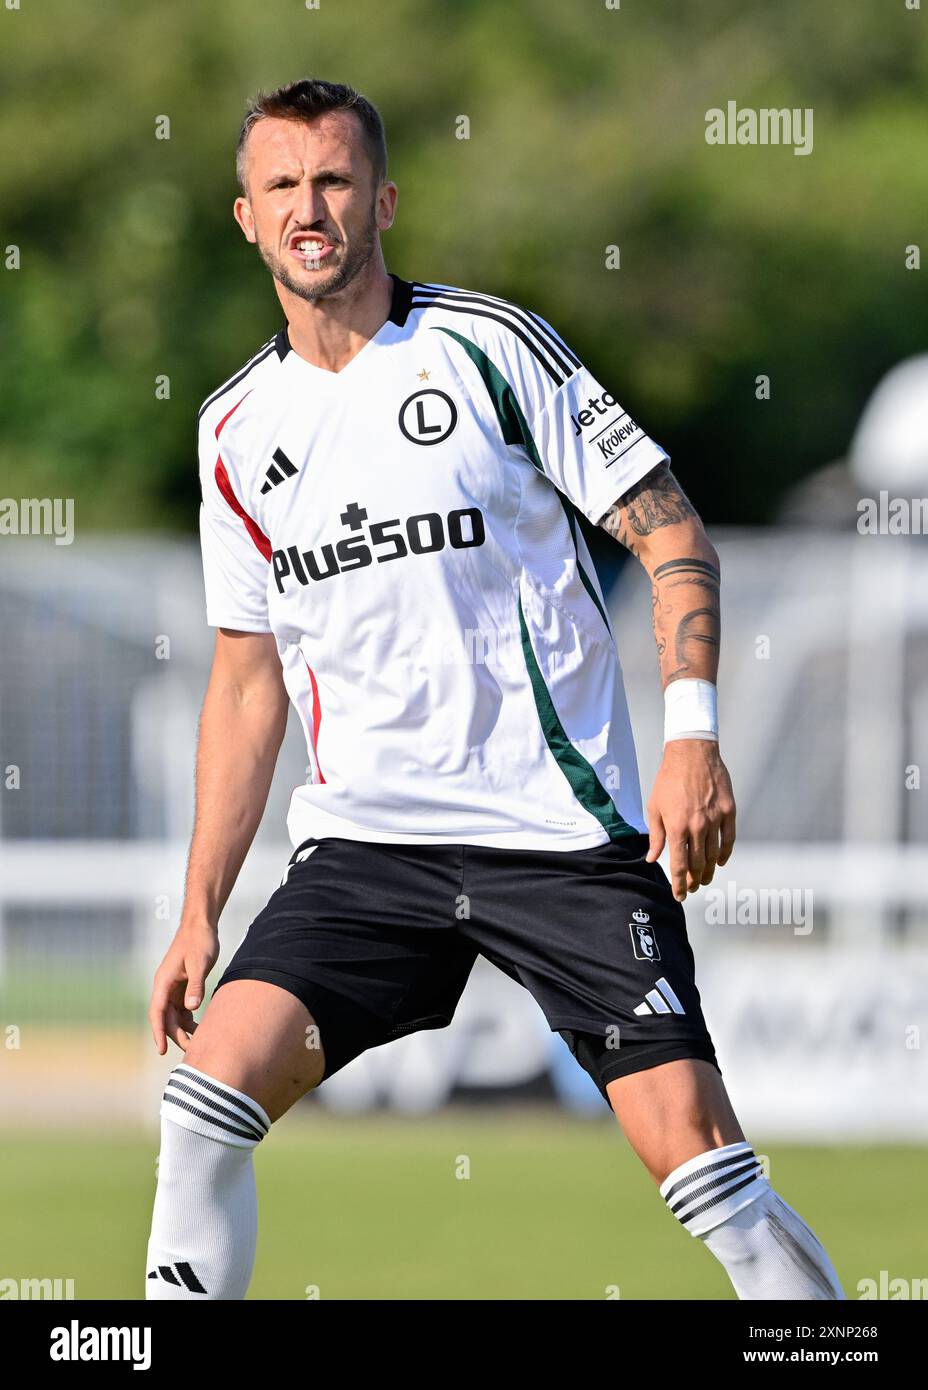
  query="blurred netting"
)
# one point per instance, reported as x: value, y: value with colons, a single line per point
x: 68, y: 965
x: 105, y: 658
x: 68, y: 690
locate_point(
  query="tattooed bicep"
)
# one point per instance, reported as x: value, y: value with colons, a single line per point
x: 655, y: 500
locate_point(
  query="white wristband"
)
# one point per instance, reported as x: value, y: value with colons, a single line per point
x: 691, y: 710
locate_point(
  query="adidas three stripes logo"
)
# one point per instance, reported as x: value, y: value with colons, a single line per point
x: 660, y: 1000
x: 179, y: 1273
x: 280, y: 470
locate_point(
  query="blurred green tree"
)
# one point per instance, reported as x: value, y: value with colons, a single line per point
x: 587, y: 131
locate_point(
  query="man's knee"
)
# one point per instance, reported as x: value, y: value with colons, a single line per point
x: 261, y: 1040
x: 673, y: 1111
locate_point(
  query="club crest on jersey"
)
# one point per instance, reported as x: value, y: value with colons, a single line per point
x: 644, y: 941
x: 428, y: 416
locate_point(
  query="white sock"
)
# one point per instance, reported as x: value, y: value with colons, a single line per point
x: 204, y: 1227
x: 767, y: 1249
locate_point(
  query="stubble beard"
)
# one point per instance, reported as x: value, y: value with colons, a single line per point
x: 356, y: 257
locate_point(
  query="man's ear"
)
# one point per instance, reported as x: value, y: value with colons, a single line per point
x: 386, y: 206
x: 241, y: 210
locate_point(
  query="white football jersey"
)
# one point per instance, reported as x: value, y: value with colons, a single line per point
x: 407, y: 529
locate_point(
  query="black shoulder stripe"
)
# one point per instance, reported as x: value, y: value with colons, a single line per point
x: 485, y: 314
x: 543, y: 332
x: 555, y: 338
x: 508, y: 314
x: 258, y: 358
x: 401, y: 300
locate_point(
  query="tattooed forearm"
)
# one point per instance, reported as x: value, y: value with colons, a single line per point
x: 614, y: 522
x: 685, y: 589
x: 655, y: 603
x: 699, y: 570
x: 699, y: 628
x: 688, y: 637
x: 656, y: 500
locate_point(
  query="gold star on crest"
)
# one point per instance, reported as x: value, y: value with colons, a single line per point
x: 423, y: 375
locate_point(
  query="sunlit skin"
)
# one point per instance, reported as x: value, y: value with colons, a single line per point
x: 314, y: 181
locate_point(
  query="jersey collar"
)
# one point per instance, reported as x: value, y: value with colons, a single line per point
x: 399, y: 309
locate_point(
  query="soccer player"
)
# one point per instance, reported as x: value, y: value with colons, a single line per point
x: 390, y: 541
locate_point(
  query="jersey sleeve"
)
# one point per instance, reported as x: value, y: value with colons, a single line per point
x: 579, y: 435
x: 234, y: 552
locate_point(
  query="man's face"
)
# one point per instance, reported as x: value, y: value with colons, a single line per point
x: 313, y: 208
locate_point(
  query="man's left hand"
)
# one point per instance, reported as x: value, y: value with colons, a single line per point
x: 692, y: 811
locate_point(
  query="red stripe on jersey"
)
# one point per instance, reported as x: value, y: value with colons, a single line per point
x: 252, y: 527
x: 317, y: 716
x: 231, y: 412
x: 225, y: 487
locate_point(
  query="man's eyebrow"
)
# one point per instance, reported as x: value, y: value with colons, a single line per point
x: 276, y: 178
x: 319, y: 174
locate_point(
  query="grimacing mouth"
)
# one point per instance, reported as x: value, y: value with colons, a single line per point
x: 299, y: 241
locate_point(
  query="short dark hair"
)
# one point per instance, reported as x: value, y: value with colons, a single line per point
x: 303, y: 101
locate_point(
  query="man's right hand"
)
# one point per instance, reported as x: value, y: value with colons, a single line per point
x: 180, y: 984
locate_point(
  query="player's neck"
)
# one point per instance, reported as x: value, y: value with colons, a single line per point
x: 330, y: 332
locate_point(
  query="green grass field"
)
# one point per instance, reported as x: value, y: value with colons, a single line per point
x: 370, y: 1208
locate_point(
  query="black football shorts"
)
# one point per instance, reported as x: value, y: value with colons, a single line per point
x: 378, y: 940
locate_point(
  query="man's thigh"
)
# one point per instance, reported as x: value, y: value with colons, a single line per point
x: 364, y: 939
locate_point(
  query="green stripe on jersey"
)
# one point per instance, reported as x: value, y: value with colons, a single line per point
x: 584, y: 783
x: 514, y: 429
x: 587, y: 582
x: 512, y: 422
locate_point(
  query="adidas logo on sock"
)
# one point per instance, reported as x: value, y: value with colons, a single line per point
x: 179, y: 1273
x: 284, y: 470
x: 660, y: 1000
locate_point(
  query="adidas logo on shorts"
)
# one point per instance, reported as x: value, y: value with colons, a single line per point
x: 660, y: 1000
